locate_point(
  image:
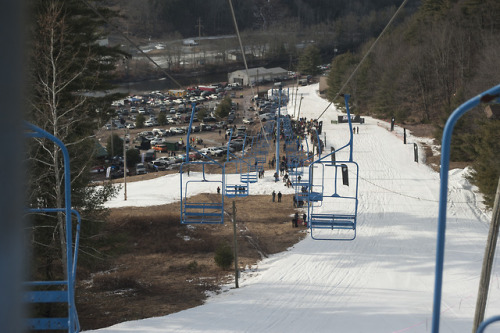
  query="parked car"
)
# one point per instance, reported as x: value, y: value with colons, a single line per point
x: 209, y: 119
x: 157, y: 165
x: 176, y: 130
x: 130, y: 126
x: 140, y: 169
x: 205, y: 127
x: 224, y: 149
x: 214, y: 151
x: 98, y: 169
x: 156, y: 141
x: 180, y: 158
x: 167, y: 159
x: 266, y: 116
x: 247, y: 121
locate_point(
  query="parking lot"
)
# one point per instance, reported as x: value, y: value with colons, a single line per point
x: 210, y: 135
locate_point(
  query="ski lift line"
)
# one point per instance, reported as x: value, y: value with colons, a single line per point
x: 365, y: 56
x: 131, y: 42
x: 407, y: 195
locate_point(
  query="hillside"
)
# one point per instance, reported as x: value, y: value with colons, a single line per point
x: 380, y: 282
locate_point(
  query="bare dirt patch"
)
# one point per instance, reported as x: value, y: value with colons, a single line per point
x: 151, y: 265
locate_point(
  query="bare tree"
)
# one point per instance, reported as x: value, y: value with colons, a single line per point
x: 59, y: 71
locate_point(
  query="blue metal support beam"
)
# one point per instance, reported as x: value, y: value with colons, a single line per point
x: 489, y: 96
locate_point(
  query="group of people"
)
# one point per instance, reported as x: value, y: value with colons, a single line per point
x: 272, y: 162
x: 279, y: 196
x: 295, y: 220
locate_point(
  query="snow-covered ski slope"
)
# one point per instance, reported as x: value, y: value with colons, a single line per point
x: 380, y: 282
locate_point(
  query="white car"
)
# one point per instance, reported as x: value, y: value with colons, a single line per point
x: 140, y: 169
x: 156, y: 141
x: 130, y: 126
x: 176, y: 130
x: 247, y: 121
x: 267, y: 116
x: 168, y: 160
x: 214, y: 151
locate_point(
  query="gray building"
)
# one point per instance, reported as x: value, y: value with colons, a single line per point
x: 257, y: 75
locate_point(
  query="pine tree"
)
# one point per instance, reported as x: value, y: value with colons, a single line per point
x: 487, y: 163
x: 65, y: 60
x: 309, y: 61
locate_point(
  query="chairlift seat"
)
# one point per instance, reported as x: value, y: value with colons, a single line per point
x: 250, y: 177
x: 315, y: 196
x: 300, y: 184
x: 239, y: 190
x: 203, y: 213
x: 333, y: 221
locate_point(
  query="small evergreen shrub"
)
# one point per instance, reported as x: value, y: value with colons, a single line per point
x: 193, y: 266
x: 224, y: 256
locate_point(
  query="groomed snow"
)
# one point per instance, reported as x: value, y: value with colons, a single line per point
x: 380, y: 282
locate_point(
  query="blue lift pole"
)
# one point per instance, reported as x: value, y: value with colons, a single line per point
x: 492, y: 95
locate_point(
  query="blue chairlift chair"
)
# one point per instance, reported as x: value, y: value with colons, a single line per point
x: 251, y: 175
x: 61, y: 291
x: 201, y: 212
x: 299, y: 182
x: 333, y: 194
x: 490, y: 96
x: 235, y: 166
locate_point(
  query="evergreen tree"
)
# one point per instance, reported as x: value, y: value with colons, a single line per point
x: 65, y: 60
x: 309, y: 61
x: 341, y: 68
x: 162, y: 119
x: 486, y: 166
x: 114, y: 145
x: 223, y: 108
x: 139, y: 121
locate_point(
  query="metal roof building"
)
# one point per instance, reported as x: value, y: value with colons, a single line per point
x: 257, y: 75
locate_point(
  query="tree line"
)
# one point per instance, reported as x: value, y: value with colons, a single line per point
x: 424, y: 68
x: 160, y: 18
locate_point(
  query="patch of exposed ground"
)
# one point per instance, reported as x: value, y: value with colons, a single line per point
x: 151, y: 265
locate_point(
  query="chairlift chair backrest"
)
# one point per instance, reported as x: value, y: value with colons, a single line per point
x: 210, y: 210
x: 61, y: 291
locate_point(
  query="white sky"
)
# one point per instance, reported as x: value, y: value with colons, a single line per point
x: 380, y: 282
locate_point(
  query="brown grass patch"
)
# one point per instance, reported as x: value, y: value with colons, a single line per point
x: 157, y: 266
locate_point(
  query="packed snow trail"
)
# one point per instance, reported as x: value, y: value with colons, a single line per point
x: 380, y: 282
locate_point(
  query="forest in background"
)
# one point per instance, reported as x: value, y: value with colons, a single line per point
x: 282, y: 24
x: 423, y: 69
